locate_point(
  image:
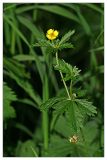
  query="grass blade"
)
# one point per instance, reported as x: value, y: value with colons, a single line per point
x: 94, y: 7
x: 22, y: 57
x: 30, y: 26
x: 83, y: 22
x: 59, y: 11
x: 22, y: 9
x: 15, y: 28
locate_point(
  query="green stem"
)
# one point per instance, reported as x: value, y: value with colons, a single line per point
x: 45, y: 129
x: 45, y: 113
x: 34, y: 152
x: 54, y: 119
x: 71, y: 88
x: 13, y: 36
x: 13, y: 42
x: 62, y: 77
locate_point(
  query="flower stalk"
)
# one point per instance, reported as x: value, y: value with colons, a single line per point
x: 62, y: 77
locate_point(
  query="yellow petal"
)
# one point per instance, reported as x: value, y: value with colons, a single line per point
x: 53, y: 37
x: 56, y: 33
x: 50, y: 31
x: 48, y: 36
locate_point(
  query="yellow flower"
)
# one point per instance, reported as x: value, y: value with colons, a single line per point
x: 52, y: 34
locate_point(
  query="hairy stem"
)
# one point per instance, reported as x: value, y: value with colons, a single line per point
x: 62, y: 77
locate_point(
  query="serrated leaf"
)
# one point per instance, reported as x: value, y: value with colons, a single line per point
x: 8, y: 97
x: 74, y: 117
x: 69, y: 71
x: 50, y: 50
x: 15, y: 67
x: 49, y: 103
x: 76, y: 110
x: 65, y: 105
x: 43, y: 43
x: 66, y: 37
x: 65, y: 45
x: 59, y: 108
x: 86, y: 107
x: 71, y: 113
x: 27, y: 88
x: 9, y: 111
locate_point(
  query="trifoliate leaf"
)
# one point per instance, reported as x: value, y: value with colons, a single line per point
x: 75, y: 109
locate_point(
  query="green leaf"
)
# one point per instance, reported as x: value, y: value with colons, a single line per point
x: 9, y: 6
x: 83, y: 21
x: 21, y: 79
x: 27, y: 88
x: 59, y: 108
x: 43, y: 43
x: 74, y: 117
x: 15, y: 67
x: 15, y: 28
x: 8, y: 97
x: 28, y: 24
x: 7, y: 32
x: 27, y: 101
x: 70, y: 72
x: 76, y: 110
x: 66, y: 37
x: 59, y: 11
x: 94, y: 7
x: 37, y: 60
x: 102, y: 136
x: 50, y: 102
x: 59, y: 147
x: 97, y: 49
x: 25, y: 149
x: 24, y: 129
x: 24, y: 8
x: 62, y: 127
x: 64, y: 105
x: 22, y: 57
x: 86, y: 107
x: 65, y: 45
